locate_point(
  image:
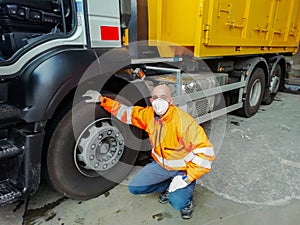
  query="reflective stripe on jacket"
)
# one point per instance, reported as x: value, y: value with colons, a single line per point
x: 179, y: 143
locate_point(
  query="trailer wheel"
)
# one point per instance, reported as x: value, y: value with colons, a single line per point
x: 255, y: 92
x: 274, y: 85
x: 88, y: 161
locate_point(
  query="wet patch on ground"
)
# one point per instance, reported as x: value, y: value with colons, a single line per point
x: 32, y: 214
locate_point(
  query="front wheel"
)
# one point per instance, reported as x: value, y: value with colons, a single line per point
x: 87, y: 155
x: 255, y: 93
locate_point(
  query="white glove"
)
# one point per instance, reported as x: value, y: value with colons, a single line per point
x: 95, y: 96
x: 178, y: 182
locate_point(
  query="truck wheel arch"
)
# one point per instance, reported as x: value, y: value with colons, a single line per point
x: 47, y: 80
x: 252, y: 64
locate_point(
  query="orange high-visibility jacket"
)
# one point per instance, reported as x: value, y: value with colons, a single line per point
x: 179, y: 142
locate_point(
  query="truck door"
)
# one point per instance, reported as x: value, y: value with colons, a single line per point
x: 104, y: 28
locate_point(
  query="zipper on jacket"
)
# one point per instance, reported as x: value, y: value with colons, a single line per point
x: 159, y: 137
x: 155, y: 141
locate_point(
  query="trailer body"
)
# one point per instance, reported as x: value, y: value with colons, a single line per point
x: 226, y: 27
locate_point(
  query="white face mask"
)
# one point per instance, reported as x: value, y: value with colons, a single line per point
x: 160, y: 106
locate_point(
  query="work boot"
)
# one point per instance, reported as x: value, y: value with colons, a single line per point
x: 187, y: 212
x: 164, y: 197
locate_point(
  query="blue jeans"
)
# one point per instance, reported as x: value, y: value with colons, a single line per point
x: 153, y: 178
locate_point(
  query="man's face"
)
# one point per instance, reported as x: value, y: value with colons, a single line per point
x: 161, y: 99
x: 163, y: 92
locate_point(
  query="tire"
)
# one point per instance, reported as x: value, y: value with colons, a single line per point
x: 274, y: 86
x: 255, y: 93
x: 93, y: 156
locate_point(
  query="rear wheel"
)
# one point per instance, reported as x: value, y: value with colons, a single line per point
x: 87, y: 155
x: 274, y: 85
x: 255, y: 92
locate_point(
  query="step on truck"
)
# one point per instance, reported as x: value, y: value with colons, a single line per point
x: 53, y: 51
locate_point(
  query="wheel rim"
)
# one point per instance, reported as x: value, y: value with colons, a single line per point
x: 274, y: 85
x: 255, y: 93
x: 275, y: 81
x: 99, y: 147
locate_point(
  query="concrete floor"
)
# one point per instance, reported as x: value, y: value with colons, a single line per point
x: 255, y: 180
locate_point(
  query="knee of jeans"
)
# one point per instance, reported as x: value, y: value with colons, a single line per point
x: 132, y: 190
x: 136, y: 189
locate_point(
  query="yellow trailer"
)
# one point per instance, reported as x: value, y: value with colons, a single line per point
x: 225, y: 27
x: 243, y: 42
